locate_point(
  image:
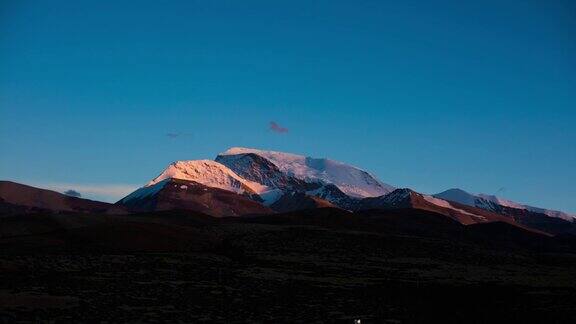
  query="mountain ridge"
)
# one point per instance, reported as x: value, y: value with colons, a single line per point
x: 351, y: 180
x: 494, y: 203
x: 243, y: 181
x: 17, y: 198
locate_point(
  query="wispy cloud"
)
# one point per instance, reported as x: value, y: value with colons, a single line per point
x: 177, y: 135
x: 276, y: 128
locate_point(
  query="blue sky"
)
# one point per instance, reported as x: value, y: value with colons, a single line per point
x: 424, y: 94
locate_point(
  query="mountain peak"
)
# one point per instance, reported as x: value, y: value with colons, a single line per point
x: 457, y: 195
x: 209, y: 173
x: 351, y: 180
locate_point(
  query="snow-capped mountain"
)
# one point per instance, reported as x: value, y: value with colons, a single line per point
x: 250, y: 181
x: 267, y: 176
x: 200, y: 185
x: 256, y: 168
x: 295, y: 169
x: 407, y: 198
x: 211, y: 174
x: 497, y: 204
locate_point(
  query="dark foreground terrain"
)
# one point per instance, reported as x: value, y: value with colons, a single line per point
x: 323, y: 265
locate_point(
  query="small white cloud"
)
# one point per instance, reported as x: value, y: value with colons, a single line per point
x: 72, y: 193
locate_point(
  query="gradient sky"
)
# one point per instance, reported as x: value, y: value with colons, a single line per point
x: 99, y: 96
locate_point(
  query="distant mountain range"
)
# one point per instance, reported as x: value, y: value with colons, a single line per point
x: 243, y: 181
x: 496, y: 204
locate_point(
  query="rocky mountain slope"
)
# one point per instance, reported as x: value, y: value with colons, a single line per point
x: 16, y: 198
x: 179, y: 194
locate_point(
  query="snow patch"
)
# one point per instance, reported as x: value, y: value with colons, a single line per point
x: 501, y: 202
x: 446, y: 204
x: 271, y: 196
x: 145, y: 191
